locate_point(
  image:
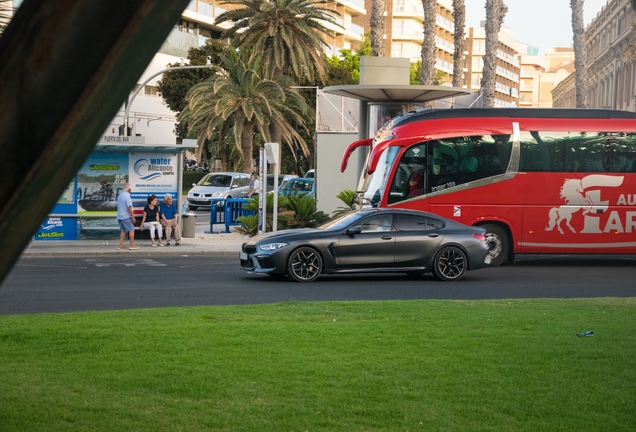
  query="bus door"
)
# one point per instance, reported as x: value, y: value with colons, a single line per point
x: 374, y: 245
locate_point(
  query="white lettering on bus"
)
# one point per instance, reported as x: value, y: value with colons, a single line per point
x: 614, y: 223
x: 631, y: 221
x: 631, y: 200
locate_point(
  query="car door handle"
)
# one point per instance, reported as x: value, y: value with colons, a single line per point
x: 386, y: 237
x: 433, y: 235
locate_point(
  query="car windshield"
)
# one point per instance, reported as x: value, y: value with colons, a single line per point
x: 343, y: 221
x: 216, y: 180
x: 299, y: 185
x: 372, y: 185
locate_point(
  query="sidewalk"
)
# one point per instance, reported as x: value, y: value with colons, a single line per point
x: 201, y: 244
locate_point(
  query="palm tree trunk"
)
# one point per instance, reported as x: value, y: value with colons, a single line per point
x: 429, y: 52
x: 495, y: 12
x: 459, y: 16
x: 377, y: 28
x: 580, y: 69
x: 246, y: 146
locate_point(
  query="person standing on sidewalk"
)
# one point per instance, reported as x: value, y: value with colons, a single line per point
x: 169, y: 220
x: 125, y: 217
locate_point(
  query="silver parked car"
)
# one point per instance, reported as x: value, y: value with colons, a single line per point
x: 218, y: 186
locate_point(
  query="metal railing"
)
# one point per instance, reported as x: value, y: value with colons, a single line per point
x: 226, y: 212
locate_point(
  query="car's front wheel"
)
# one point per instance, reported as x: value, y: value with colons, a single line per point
x: 304, y: 265
x: 450, y: 264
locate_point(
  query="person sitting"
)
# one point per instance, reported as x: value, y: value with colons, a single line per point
x: 416, y: 185
x: 169, y: 220
x: 152, y: 213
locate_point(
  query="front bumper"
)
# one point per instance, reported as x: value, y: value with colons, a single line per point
x: 256, y: 261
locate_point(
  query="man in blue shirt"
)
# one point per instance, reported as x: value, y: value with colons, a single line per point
x: 169, y: 221
x: 125, y: 217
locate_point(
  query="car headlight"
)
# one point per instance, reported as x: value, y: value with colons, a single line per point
x: 272, y: 246
x: 217, y: 194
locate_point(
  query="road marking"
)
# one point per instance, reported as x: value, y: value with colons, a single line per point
x: 116, y: 262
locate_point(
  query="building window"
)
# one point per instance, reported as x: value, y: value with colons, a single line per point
x: 151, y: 91
x: 479, y: 46
x: 476, y: 80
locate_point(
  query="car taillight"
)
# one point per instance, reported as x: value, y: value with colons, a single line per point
x: 479, y: 237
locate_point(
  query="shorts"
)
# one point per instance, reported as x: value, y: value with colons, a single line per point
x: 126, y: 224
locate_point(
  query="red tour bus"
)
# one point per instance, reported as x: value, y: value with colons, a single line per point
x: 537, y: 180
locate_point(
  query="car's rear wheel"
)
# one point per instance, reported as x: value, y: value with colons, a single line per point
x: 450, y: 264
x: 498, y: 244
x: 304, y: 264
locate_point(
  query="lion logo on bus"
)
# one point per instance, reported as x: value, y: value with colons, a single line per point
x: 577, y: 198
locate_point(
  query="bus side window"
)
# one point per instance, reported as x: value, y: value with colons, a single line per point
x: 564, y: 152
x: 623, y: 153
x: 409, y: 180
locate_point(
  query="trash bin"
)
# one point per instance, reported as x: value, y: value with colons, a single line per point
x: 189, y: 225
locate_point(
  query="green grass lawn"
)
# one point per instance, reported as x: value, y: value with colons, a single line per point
x: 336, y: 366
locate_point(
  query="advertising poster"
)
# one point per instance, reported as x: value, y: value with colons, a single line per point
x: 68, y: 196
x: 152, y: 174
x: 99, y: 182
x: 57, y: 228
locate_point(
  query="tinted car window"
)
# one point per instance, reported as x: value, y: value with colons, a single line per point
x: 412, y: 222
x: 341, y: 222
x: 299, y: 185
x: 433, y: 224
x: 378, y: 223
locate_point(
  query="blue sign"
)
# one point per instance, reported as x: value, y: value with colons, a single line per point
x: 57, y: 228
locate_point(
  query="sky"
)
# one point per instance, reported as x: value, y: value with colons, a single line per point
x: 543, y: 23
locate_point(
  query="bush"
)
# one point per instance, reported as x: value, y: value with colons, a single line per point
x: 190, y: 177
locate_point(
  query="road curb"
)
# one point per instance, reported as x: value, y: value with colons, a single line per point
x: 126, y: 253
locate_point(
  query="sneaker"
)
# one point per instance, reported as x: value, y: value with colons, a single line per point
x: 168, y: 244
x: 176, y: 244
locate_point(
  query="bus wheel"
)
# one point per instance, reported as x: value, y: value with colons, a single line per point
x: 498, y: 244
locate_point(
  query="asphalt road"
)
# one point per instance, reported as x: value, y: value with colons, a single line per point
x: 38, y: 285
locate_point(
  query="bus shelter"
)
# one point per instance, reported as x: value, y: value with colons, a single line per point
x: 88, y: 207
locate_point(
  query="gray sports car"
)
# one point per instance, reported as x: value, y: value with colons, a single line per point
x: 370, y: 240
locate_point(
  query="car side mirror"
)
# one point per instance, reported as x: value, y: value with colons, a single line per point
x: 194, y: 184
x: 354, y: 230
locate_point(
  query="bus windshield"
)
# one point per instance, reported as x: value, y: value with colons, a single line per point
x: 372, y: 186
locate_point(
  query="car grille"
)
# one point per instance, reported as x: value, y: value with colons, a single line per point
x: 195, y: 194
x: 247, y: 263
x: 250, y: 249
x: 265, y: 263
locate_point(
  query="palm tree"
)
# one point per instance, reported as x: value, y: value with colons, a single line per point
x: 495, y: 12
x: 429, y: 52
x: 459, y: 16
x: 285, y: 33
x: 377, y: 28
x: 239, y: 97
x: 580, y: 68
x: 6, y: 13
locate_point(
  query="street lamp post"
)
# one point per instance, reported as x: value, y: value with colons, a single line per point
x: 208, y: 65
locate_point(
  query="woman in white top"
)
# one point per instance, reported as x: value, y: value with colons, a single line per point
x: 151, y: 211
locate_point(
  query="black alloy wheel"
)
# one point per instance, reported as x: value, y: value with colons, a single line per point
x: 498, y: 244
x: 304, y: 265
x: 450, y: 264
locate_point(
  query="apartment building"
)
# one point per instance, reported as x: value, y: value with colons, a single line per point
x: 531, y: 67
x: 349, y: 14
x: 508, y: 65
x: 404, y: 25
x: 611, y: 69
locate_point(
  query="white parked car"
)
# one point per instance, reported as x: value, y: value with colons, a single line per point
x: 218, y: 186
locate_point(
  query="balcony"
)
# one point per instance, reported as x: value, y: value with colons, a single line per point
x: 354, y: 28
x: 444, y: 65
x: 412, y: 33
x: 349, y: 29
x: 355, y: 7
x: 445, y: 23
x: 412, y: 10
x: 507, y: 74
x: 412, y: 55
x: 444, y: 44
x: 507, y: 57
x: 509, y: 91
